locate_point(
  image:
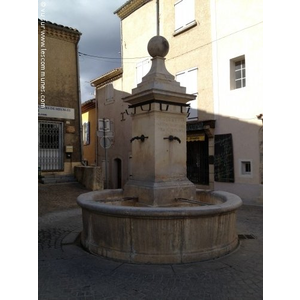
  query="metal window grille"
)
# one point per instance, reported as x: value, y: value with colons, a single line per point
x: 50, y: 146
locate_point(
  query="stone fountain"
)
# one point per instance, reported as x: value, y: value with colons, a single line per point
x: 160, y: 216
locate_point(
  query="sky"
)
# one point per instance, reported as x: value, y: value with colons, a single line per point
x: 100, y: 29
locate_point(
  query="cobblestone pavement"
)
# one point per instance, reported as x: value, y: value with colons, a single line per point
x: 66, y: 271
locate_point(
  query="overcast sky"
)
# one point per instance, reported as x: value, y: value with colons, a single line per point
x: 100, y: 29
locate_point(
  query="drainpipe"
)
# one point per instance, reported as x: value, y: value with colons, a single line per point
x: 121, y: 43
x: 157, y: 16
x: 96, y: 122
x: 79, y: 103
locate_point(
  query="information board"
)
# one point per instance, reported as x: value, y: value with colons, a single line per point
x: 223, y: 160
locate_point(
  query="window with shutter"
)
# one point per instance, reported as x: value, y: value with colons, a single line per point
x: 142, y: 68
x: 189, y: 79
x: 184, y: 14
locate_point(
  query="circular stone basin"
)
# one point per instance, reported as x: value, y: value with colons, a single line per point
x: 187, y: 231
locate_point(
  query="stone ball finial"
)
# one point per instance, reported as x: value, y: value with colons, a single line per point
x: 158, y: 46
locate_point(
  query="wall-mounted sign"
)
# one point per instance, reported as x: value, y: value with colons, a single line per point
x: 105, y: 142
x: 57, y: 112
x: 104, y: 125
x: 195, y: 137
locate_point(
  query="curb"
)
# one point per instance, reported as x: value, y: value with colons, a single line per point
x: 71, y: 237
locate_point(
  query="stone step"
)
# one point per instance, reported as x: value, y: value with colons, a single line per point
x: 57, y: 179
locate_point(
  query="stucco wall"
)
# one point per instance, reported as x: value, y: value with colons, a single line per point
x: 89, y: 151
x: 237, y: 29
x: 223, y: 30
x: 137, y: 30
x: 121, y: 133
x: 191, y: 49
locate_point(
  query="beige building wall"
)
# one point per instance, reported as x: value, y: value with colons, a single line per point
x: 136, y: 30
x: 191, y: 48
x: 238, y: 31
x: 222, y: 31
x: 109, y: 94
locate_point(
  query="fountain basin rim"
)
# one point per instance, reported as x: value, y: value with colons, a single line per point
x: 88, y: 201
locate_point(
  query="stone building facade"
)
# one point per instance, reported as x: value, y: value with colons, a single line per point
x: 59, y: 117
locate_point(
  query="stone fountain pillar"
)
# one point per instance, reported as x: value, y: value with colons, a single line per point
x: 158, y: 106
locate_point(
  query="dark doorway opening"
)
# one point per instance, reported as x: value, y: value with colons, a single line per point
x: 118, y: 173
x: 197, y: 161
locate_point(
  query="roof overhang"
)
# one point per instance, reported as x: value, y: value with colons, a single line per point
x: 59, y: 31
x: 59, y: 27
x: 108, y: 77
x: 88, y: 105
x: 129, y: 7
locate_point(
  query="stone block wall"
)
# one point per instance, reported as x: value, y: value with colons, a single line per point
x: 91, y: 177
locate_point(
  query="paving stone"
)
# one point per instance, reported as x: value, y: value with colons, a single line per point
x: 66, y: 271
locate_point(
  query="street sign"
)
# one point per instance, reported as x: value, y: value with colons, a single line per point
x: 101, y: 134
x: 105, y: 142
x: 104, y: 125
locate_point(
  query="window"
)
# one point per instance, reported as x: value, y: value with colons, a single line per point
x: 86, y: 133
x: 142, y: 68
x: 189, y: 79
x: 238, y: 73
x: 184, y: 15
x: 246, y: 168
x: 109, y: 93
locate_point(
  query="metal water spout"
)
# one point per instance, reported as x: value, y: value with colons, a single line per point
x: 142, y: 138
x: 173, y: 138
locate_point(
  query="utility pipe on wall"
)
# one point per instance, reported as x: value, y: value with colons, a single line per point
x: 157, y: 16
x: 79, y: 103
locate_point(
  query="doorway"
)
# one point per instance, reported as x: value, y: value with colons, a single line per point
x: 117, y: 173
x: 197, y: 161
